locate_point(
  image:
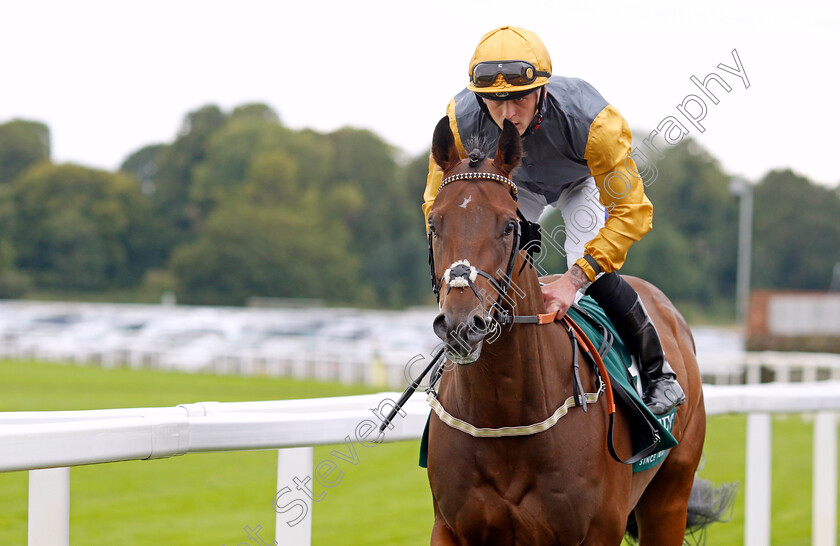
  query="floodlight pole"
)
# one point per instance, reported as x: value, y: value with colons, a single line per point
x: 740, y: 187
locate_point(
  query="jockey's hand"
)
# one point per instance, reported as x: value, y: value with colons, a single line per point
x: 559, y: 295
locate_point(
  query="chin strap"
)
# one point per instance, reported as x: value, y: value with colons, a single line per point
x: 535, y: 123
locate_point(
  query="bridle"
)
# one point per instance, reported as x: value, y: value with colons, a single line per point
x: 462, y: 275
x: 526, y: 236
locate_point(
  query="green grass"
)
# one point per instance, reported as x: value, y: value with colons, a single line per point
x: 791, y: 476
x: 208, y: 499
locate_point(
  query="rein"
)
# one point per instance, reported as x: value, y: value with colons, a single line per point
x: 462, y: 274
x: 465, y: 275
x: 579, y: 398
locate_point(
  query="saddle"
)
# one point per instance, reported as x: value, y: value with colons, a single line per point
x: 651, y: 434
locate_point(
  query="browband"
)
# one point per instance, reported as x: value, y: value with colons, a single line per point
x: 488, y: 176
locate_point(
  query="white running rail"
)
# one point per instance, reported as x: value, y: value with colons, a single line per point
x: 48, y: 443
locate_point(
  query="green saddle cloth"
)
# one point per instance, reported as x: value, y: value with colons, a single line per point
x: 618, y: 362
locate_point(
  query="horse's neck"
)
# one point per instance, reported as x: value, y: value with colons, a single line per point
x: 522, y: 371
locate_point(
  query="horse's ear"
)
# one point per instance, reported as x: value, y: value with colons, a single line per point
x: 443, y: 145
x: 509, y: 148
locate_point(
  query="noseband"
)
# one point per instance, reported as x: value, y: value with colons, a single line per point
x: 461, y: 274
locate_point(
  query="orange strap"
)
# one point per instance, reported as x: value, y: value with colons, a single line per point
x: 587, y: 346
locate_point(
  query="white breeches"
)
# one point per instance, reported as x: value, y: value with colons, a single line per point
x: 583, y: 216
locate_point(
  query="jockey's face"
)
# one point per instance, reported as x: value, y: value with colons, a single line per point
x: 520, y: 111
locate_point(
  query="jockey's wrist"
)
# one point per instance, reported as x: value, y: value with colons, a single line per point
x: 578, y: 277
x: 589, y: 266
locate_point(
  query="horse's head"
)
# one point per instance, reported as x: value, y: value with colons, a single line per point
x: 473, y: 238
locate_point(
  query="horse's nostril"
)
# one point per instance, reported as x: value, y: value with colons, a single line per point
x: 439, y: 326
x: 476, y: 329
x: 479, y: 325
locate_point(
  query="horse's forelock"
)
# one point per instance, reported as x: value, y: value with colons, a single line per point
x: 478, y: 148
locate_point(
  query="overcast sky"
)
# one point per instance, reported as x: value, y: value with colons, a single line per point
x: 111, y: 77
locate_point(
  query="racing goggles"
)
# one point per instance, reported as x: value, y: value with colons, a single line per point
x: 514, y: 72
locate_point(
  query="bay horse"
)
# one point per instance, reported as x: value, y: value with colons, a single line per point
x: 559, y: 485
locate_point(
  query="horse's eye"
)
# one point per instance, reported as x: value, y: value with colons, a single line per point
x: 509, y: 227
x: 432, y: 230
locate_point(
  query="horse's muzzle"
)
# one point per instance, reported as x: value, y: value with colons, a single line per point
x: 463, y: 337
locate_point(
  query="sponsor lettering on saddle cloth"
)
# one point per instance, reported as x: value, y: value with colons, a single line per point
x: 618, y: 362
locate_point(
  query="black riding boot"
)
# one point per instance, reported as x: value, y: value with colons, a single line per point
x: 663, y: 392
x: 624, y: 308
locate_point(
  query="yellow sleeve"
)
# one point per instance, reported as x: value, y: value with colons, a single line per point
x: 432, y: 184
x: 630, y: 212
x: 435, y: 176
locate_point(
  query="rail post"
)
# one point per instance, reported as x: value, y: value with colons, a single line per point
x: 293, y: 524
x: 49, y: 507
x: 759, y: 445
x: 824, y: 503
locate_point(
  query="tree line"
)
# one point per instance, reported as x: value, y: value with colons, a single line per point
x: 237, y: 206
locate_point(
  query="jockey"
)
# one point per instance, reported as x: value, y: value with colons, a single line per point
x: 577, y: 159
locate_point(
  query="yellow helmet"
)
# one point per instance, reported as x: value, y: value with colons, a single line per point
x: 509, y: 60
